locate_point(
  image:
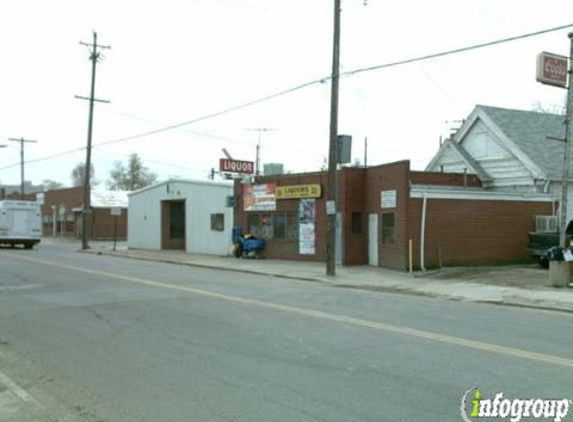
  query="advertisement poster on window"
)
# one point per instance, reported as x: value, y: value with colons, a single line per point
x: 306, y: 210
x: 260, y: 197
x: 306, y: 238
x: 306, y: 226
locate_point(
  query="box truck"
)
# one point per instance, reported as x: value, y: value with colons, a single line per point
x: 20, y: 223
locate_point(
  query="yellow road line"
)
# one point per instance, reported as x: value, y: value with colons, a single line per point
x: 472, y: 344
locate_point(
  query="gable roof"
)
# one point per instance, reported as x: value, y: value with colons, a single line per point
x: 529, y: 131
x: 469, y: 160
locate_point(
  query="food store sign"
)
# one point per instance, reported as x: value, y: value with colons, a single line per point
x: 298, y: 191
x: 552, y: 69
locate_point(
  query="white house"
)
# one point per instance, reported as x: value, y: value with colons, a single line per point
x: 187, y: 215
x: 509, y: 150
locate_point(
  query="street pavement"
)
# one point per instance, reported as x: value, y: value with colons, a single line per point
x: 524, y: 285
x: 89, y: 337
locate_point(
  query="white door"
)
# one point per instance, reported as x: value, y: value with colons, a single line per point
x: 20, y: 222
x: 373, y: 239
x: 338, y: 240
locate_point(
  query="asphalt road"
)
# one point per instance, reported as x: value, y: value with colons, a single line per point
x: 99, y: 339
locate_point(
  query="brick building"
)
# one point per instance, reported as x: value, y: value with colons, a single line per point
x: 62, y: 213
x: 448, y: 218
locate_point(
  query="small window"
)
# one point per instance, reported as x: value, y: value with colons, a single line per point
x: 388, y: 229
x: 217, y: 222
x: 357, y: 223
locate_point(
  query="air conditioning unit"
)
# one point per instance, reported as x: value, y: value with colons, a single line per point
x: 546, y: 223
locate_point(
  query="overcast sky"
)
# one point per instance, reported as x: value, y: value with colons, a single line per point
x: 175, y: 61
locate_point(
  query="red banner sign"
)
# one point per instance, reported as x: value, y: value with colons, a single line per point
x: 226, y: 165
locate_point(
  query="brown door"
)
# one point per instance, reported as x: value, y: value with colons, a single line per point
x: 173, y: 225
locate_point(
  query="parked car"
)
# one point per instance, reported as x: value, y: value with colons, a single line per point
x: 541, y: 244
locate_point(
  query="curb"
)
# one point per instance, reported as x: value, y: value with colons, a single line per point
x: 206, y: 266
x: 523, y: 303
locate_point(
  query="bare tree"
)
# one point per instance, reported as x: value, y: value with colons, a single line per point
x: 131, y: 177
x: 48, y: 184
x: 78, y: 175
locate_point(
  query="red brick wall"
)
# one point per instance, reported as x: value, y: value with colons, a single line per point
x: 74, y: 198
x: 352, y: 194
x: 450, y: 179
x: 282, y: 248
x: 394, y: 176
x: 462, y: 232
x: 457, y: 231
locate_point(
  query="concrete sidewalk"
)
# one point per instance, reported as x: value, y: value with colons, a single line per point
x: 498, y: 288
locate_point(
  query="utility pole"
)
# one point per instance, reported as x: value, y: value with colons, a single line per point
x: 568, y: 142
x: 22, y: 142
x: 95, y: 56
x: 258, y: 159
x: 331, y: 192
x: 365, y: 151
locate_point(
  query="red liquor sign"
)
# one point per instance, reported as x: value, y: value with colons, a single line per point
x: 226, y: 165
x: 552, y: 69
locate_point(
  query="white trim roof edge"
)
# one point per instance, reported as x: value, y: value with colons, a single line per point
x: 476, y: 194
x: 228, y: 184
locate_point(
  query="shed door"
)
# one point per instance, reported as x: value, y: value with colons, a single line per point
x: 173, y: 225
x: 373, y: 239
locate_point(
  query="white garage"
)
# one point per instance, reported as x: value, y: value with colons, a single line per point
x: 187, y: 215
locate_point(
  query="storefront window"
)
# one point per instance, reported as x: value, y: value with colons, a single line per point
x: 291, y: 226
x: 279, y: 224
x: 267, y: 226
x: 274, y: 226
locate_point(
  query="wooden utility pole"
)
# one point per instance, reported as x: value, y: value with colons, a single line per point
x: 331, y: 192
x: 568, y: 146
x: 95, y: 56
x: 22, y: 142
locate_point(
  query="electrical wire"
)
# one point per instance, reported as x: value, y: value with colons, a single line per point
x: 303, y: 86
x: 455, y: 51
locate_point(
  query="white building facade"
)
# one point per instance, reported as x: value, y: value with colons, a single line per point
x: 188, y: 215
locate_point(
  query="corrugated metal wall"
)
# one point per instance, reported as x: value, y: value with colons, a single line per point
x: 202, y: 199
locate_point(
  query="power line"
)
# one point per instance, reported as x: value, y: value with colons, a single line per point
x: 215, y: 114
x: 303, y: 86
x: 455, y: 51
x: 327, y: 78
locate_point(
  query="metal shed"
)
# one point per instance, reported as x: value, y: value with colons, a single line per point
x: 188, y: 215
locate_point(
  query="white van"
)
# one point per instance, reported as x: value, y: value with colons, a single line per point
x: 20, y: 223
